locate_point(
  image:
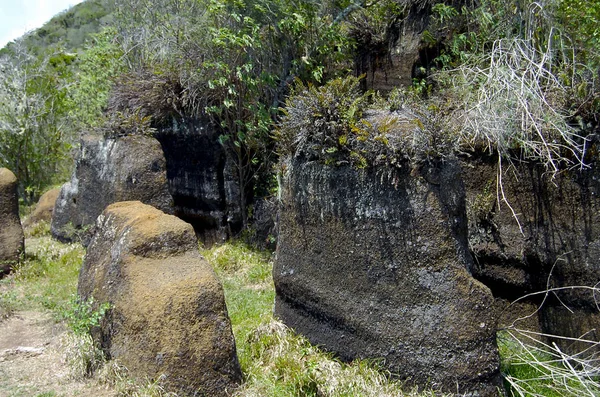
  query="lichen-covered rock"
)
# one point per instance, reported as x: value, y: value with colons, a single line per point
x: 44, y: 208
x: 202, y: 179
x: 376, y: 265
x: 548, y: 237
x: 168, y: 316
x: 12, y: 240
x: 109, y: 171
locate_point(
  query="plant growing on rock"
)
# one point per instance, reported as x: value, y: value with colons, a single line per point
x: 535, y: 365
x: 515, y: 82
x: 337, y: 124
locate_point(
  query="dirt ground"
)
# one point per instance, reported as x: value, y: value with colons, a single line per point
x: 32, y: 360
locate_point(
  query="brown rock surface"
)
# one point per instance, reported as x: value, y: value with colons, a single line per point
x: 44, y: 208
x: 168, y: 315
x: 12, y: 240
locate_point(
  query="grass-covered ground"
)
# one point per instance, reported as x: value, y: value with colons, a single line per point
x: 274, y: 360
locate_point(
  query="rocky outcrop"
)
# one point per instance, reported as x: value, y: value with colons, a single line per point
x: 43, y: 209
x: 202, y: 179
x: 376, y: 265
x: 12, y: 240
x: 263, y: 232
x: 108, y: 171
x: 389, y: 59
x: 168, y: 317
x: 540, y: 231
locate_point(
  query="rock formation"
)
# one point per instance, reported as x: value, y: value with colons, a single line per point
x: 43, y: 209
x: 551, y: 240
x: 12, y: 240
x: 201, y: 179
x: 168, y: 316
x: 108, y: 171
x: 374, y: 264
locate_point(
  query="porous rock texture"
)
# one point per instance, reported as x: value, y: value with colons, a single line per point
x: 168, y: 316
x: 531, y: 230
x: 376, y: 265
x: 12, y: 240
x: 202, y: 179
x: 44, y: 208
x: 109, y: 171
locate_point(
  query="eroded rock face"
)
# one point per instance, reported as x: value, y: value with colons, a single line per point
x: 554, y: 241
x: 43, y: 208
x: 168, y: 314
x: 202, y: 179
x: 392, y: 63
x: 109, y: 171
x: 376, y: 265
x: 12, y: 240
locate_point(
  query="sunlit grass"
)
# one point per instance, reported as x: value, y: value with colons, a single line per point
x: 46, y: 277
x: 534, y: 368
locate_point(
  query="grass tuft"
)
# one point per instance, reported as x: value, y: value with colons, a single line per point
x: 47, y: 276
x: 117, y: 376
x: 82, y: 355
x: 39, y: 229
x: 534, y: 368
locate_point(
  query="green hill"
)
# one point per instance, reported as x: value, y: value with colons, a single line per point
x: 70, y: 28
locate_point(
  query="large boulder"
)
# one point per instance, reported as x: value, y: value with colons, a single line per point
x: 43, y: 209
x: 109, y: 171
x: 12, y: 240
x: 375, y: 264
x: 530, y: 230
x: 168, y: 317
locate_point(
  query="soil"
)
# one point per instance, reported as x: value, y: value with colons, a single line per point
x: 32, y: 360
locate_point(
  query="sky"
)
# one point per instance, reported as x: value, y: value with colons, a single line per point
x: 20, y: 16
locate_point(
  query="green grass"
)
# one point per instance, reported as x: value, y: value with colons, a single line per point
x: 532, y: 368
x: 46, y: 278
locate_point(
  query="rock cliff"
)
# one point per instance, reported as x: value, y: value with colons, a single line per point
x: 376, y: 265
x: 201, y: 179
x: 538, y: 231
x: 108, y: 171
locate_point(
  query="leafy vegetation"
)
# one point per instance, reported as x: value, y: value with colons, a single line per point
x: 516, y: 79
x: 33, y: 141
x: 337, y: 124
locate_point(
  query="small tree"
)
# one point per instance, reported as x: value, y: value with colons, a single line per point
x: 34, y: 142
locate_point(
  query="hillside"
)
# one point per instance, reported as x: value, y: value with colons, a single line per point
x: 71, y: 28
